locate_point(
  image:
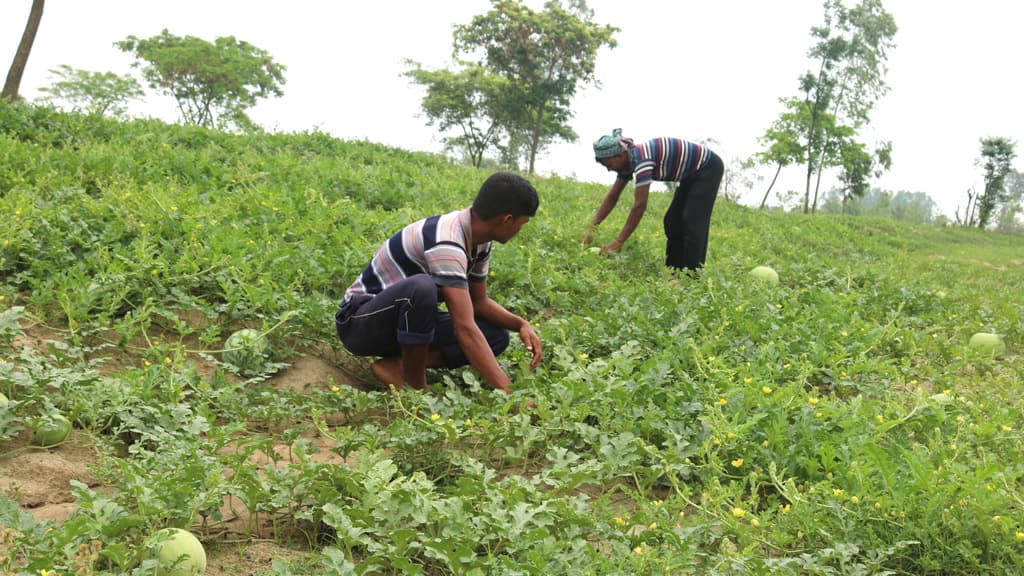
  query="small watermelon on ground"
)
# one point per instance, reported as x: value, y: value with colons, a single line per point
x: 51, y: 430
x: 248, y: 351
x: 179, y: 553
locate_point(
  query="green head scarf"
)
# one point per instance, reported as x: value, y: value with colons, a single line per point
x: 611, y: 145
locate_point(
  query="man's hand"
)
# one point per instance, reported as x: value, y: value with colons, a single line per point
x: 532, y: 343
x: 611, y: 248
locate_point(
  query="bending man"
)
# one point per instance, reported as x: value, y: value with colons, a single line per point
x: 698, y: 172
x: 392, y: 309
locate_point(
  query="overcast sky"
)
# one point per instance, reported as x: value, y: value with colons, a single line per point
x: 695, y: 70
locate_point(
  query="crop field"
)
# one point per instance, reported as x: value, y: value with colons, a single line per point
x: 834, y: 423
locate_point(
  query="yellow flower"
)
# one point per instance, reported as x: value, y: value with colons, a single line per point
x: 1018, y: 536
x: 784, y: 508
x: 722, y: 401
x: 620, y: 521
x: 838, y: 491
x: 880, y: 418
x: 854, y: 500
x: 584, y: 356
x: 739, y: 512
x: 653, y: 526
x: 716, y: 441
x: 1006, y: 428
x: 845, y: 333
x: 335, y: 389
x: 766, y: 389
x: 435, y: 417
x: 812, y: 401
x: 469, y: 422
x: 755, y: 522
x: 748, y: 380
x: 737, y: 463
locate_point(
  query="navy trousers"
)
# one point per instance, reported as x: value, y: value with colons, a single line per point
x: 405, y: 314
x: 688, y: 218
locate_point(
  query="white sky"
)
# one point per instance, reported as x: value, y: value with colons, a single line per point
x: 695, y: 70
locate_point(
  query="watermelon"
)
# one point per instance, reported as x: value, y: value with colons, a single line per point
x: 248, y: 351
x: 179, y: 553
x: 51, y: 430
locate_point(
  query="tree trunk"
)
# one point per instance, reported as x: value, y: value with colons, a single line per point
x: 13, y: 82
x: 817, y: 187
x: 770, y: 186
x: 807, y: 182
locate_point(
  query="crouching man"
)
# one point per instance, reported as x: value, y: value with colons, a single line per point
x: 392, y: 310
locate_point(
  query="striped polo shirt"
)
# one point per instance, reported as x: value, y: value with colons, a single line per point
x: 666, y: 160
x: 439, y: 246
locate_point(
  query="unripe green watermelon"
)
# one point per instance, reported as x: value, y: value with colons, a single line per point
x: 987, y: 344
x: 51, y: 430
x: 765, y: 274
x: 179, y: 553
x: 248, y: 351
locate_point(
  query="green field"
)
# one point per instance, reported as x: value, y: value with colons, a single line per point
x: 834, y: 424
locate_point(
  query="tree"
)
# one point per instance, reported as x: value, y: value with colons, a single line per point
x: 857, y: 165
x: 850, y: 52
x: 213, y: 83
x: 13, y: 82
x: 468, y: 101
x: 1008, y: 221
x: 97, y: 93
x: 997, y: 154
x: 783, y: 142
x: 544, y: 57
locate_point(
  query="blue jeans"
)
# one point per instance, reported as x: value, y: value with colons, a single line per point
x: 406, y: 314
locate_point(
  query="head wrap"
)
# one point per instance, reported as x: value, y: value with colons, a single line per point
x: 611, y: 145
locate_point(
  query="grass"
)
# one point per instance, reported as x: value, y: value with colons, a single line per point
x: 834, y: 424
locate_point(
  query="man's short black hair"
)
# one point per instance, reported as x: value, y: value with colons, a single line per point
x: 506, y: 193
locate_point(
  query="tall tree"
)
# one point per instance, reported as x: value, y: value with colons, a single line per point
x: 997, y: 154
x: 98, y: 93
x: 850, y: 51
x: 13, y: 83
x: 213, y: 83
x: 544, y: 56
x: 782, y: 141
x: 468, y: 101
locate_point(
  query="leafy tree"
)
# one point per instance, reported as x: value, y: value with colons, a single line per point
x: 14, y: 73
x: 468, y: 101
x: 1008, y: 221
x: 97, y: 93
x: 819, y: 128
x: 544, y: 57
x: 997, y: 154
x: 213, y: 83
x: 857, y: 165
x: 783, y: 142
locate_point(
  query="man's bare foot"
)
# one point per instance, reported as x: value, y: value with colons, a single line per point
x: 388, y: 371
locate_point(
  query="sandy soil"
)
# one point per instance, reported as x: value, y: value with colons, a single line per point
x: 39, y: 479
